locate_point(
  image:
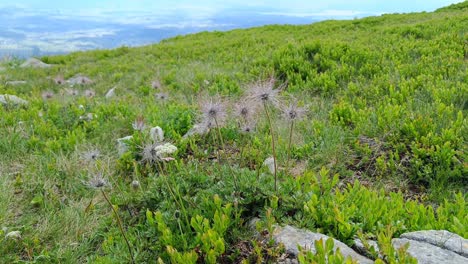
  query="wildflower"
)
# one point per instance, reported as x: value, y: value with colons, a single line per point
x: 157, y: 134
x: 214, y: 110
x: 59, y: 80
x: 245, y: 110
x: 161, y: 96
x: 264, y: 92
x: 47, y: 95
x: 157, y: 152
x: 156, y: 84
x: 89, y: 93
x: 73, y: 92
x: 97, y: 181
x: 164, y: 150
x: 270, y: 164
x: 247, y: 128
x: 13, y: 235
x: 91, y: 155
x: 293, y: 112
x: 110, y: 93
x: 139, y: 123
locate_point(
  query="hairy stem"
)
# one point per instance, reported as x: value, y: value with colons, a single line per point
x: 120, y: 225
x: 224, y: 149
x: 289, y: 145
x: 265, y: 106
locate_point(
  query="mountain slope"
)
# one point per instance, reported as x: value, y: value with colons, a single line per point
x: 387, y: 104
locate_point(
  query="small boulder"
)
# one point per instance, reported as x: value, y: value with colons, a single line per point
x: 6, y: 99
x: 15, y: 82
x: 34, y: 63
x: 292, y: 237
x: 122, y: 145
x: 110, y: 93
x: 427, y: 253
x: 441, y: 238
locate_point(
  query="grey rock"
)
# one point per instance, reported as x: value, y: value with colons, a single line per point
x: 110, y: 93
x: 12, y: 99
x: 441, y: 238
x: 361, y: 249
x: 291, y: 237
x: 15, y: 82
x: 34, y: 63
x: 429, y: 254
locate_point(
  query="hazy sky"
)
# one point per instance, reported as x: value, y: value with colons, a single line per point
x: 295, y: 6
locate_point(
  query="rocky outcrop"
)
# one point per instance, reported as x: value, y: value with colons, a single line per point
x: 441, y: 238
x: 428, y: 247
x: 427, y: 253
x: 292, y: 237
x: 34, y: 63
x: 6, y: 99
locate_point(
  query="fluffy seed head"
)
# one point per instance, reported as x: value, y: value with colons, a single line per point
x: 59, y: 80
x: 247, y: 128
x: 91, y: 155
x: 156, y: 84
x: 265, y: 92
x: 293, y: 112
x: 73, y: 92
x: 90, y: 93
x: 161, y: 96
x: 156, y: 152
x: 244, y: 110
x: 47, y: 95
x: 214, y: 111
x: 97, y: 181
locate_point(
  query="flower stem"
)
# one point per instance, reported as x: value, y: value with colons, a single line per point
x: 224, y: 149
x: 265, y: 106
x: 120, y: 225
x: 289, y: 145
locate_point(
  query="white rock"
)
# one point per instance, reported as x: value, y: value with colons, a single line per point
x: 441, y: 238
x: 12, y: 99
x: 15, y: 82
x: 270, y: 164
x: 426, y: 253
x: 157, y: 134
x: 292, y: 237
x: 34, y: 63
x: 197, y: 129
x: 110, y: 93
x: 122, y: 145
x: 13, y: 235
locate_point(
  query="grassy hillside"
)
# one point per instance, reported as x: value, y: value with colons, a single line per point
x: 382, y: 145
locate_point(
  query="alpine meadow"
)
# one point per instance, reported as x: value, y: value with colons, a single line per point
x: 208, y: 147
